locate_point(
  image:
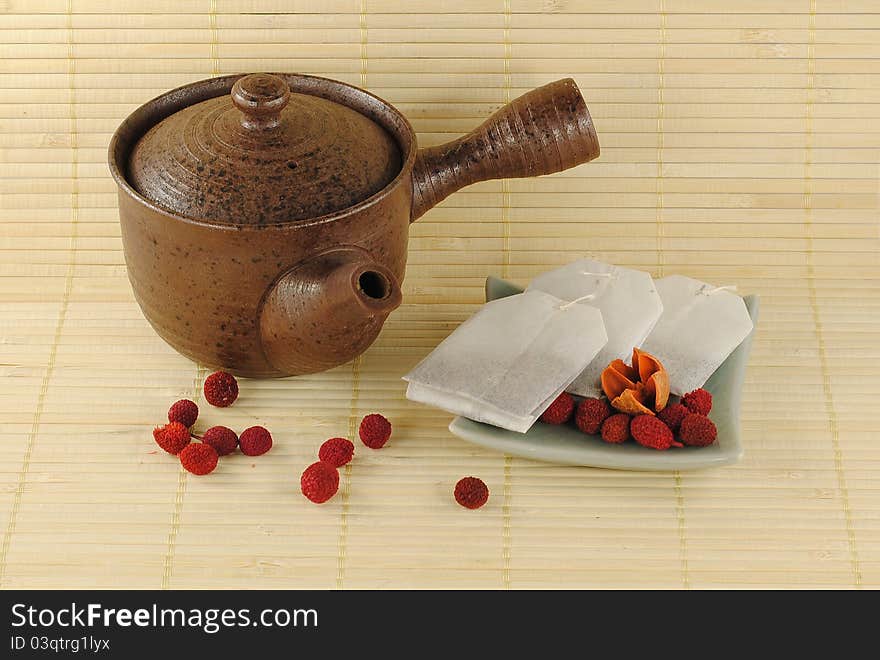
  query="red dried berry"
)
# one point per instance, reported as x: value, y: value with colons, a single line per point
x: 650, y: 432
x: 672, y: 415
x: 699, y: 401
x: 198, y: 458
x: 375, y: 431
x: 559, y: 412
x: 615, y: 429
x: 221, y: 438
x: 336, y: 451
x: 319, y: 482
x: 591, y: 413
x: 221, y: 389
x: 471, y: 493
x: 697, y: 430
x: 172, y: 437
x: 184, y: 411
x: 255, y: 441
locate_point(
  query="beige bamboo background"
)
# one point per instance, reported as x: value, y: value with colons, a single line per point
x: 740, y: 145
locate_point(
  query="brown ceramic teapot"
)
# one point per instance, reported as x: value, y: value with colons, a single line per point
x: 265, y: 217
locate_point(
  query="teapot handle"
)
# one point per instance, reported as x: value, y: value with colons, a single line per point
x: 546, y: 130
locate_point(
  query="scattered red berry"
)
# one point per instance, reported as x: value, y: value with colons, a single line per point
x: 672, y: 415
x: 336, y: 451
x: 221, y: 389
x: 615, y: 429
x: 255, y: 441
x: 375, y: 431
x: 221, y: 439
x: 172, y: 437
x: 649, y: 431
x: 471, y: 493
x: 699, y: 401
x: 198, y: 458
x: 697, y: 431
x: 319, y: 482
x: 184, y: 411
x: 559, y: 412
x: 591, y: 413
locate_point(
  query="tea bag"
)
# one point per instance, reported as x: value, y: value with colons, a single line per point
x: 507, y: 363
x: 629, y: 303
x: 700, y: 326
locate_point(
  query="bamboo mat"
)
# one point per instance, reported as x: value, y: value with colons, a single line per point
x: 740, y: 145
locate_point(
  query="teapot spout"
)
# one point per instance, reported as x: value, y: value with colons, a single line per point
x: 326, y: 310
x: 374, y: 286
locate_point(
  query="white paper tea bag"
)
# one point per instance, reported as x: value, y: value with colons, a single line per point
x: 506, y: 364
x: 700, y: 326
x: 629, y: 303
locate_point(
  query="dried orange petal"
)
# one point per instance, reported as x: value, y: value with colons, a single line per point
x: 629, y: 403
x: 630, y: 388
x: 654, y: 376
x: 660, y: 381
x: 658, y: 386
x: 646, y: 364
x: 623, y: 368
x: 614, y: 383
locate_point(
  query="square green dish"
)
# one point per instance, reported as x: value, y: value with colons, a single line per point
x: 566, y: 444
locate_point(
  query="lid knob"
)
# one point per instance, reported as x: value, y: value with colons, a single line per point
x: 261, y: 97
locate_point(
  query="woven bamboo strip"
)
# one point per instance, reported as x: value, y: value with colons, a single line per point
x: 739, y: 146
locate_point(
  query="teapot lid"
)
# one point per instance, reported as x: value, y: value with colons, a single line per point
x: 263, y: 156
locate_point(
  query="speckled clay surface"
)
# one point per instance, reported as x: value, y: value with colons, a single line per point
x: 202, y: 287
x: 263, y: 156
x: 288, y: 292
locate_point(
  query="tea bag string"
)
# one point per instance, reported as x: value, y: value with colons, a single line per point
x: 610, y: 276
x: 589, y: 296
x: 605, y: 279
x: 570, y: 303
x: 712, y: 291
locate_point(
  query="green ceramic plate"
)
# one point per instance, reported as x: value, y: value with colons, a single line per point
x: 565, y: 444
